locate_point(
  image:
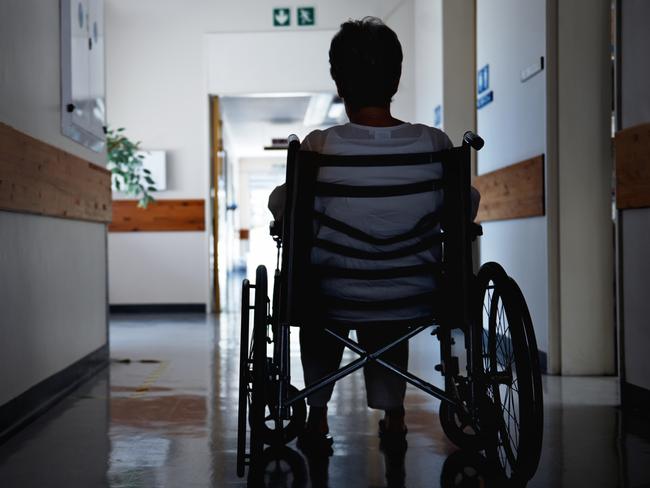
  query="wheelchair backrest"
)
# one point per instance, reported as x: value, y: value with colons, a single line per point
x: 301, y: 301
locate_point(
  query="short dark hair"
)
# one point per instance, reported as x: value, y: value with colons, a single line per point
x: 366, y: 62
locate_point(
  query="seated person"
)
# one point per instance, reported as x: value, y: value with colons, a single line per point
x: 365, y: 63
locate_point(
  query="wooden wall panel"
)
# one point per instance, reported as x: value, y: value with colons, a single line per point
x: 513, y: 192
x: 632, y: 147
x: 159, y: 216
x: 42, y: 179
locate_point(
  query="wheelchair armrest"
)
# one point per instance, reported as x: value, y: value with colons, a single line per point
x: 476, y: 230
x: 275, y: 228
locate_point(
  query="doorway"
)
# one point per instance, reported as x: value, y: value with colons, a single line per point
x: 249, y: 141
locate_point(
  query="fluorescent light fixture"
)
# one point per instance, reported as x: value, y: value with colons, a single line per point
x: 274, y: 95
x: 317, y: 110
x: 336, y: 111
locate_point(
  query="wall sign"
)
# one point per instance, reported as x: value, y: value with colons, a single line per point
x: 306, y: 15
x: 281, y: 17
x: 485, y: 100
x: 437, y: 116
x: 483, y: 79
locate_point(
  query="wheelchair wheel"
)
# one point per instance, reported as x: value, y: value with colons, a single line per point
x: 244, y: 379
x: 510, y: 412
x: 536, y: 374
x: 259, y: 373
x: 279, y: 433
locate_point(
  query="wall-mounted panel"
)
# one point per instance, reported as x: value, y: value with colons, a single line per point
x: 632, y: 146
x: 38, y: 178
x: 159, y: 216
x: 513, y: 192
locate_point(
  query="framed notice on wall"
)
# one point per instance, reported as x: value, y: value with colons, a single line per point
x: 83, y: 111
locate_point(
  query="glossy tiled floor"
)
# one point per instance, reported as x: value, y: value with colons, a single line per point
x: 164, y: 415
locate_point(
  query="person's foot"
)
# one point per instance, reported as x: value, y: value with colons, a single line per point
x: 393, y: 421
x: 392, y: 431
x: 316, y: 439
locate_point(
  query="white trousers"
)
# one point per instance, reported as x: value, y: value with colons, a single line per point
x: 321, y: 355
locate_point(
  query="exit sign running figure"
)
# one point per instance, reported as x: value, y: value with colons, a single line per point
x: 306, y: 15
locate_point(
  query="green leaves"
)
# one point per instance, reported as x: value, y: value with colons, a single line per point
x: 125, y: 164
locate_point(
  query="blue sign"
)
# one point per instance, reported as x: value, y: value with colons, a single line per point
x: 483, y: 79
x: 437, y: 116
x: 485, y: 100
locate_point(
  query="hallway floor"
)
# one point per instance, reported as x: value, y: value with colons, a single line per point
x: 164, y: 415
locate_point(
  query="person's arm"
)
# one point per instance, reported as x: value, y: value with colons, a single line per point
x: 278, y: 196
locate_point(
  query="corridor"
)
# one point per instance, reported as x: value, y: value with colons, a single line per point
x: 469, y: 175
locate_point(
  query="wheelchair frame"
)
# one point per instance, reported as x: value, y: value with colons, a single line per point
x: 463, y: 395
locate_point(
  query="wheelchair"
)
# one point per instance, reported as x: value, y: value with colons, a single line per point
x: 493, y: 407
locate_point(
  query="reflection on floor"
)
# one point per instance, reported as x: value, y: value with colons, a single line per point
x: 164, y: 414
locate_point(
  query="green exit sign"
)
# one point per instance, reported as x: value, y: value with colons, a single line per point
x: 306, y: 15
x: 281, y: 17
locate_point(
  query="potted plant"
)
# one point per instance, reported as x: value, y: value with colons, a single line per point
x: 125, y: 163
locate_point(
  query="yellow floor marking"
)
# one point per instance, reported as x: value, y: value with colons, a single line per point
x: 150, y: 380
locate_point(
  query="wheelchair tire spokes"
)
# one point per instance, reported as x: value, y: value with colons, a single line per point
x: 510, y: 408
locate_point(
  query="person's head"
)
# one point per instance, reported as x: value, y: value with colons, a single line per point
x: 366, y: 63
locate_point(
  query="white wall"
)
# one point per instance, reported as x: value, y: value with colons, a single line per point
x: 30, y: 73
x: 510, y: 35
x: 52, y: 271
x: 585, y: 181
x: 636, y: 306
x: 459, y: 40
x: 428, y: 59
x: 136, y: 273
x: 161, y: 66
x: 52, y: 297
x: 635, y: 223
x: 635, y: 39
x: 564, y: 260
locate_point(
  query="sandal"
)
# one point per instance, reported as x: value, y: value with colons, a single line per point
x: 394, y: 442
x: 315, y: 443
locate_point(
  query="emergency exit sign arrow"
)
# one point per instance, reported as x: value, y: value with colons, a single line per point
x: 281, y: 17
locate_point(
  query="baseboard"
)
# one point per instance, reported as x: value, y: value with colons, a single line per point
x: 25, y: 408
x: 158, y: 308
x: 635, y: 397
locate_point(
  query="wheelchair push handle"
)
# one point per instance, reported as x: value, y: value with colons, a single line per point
x: 293, y: 138
x: 473, y: 140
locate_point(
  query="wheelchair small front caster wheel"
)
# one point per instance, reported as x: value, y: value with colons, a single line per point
x: 458, y: 429
x: 280, y: 432
x: 467, y: 469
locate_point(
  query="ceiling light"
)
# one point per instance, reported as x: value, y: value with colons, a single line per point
x: 318, y: 108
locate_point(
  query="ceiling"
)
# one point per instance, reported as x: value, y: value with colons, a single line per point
x: 252, y: 121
